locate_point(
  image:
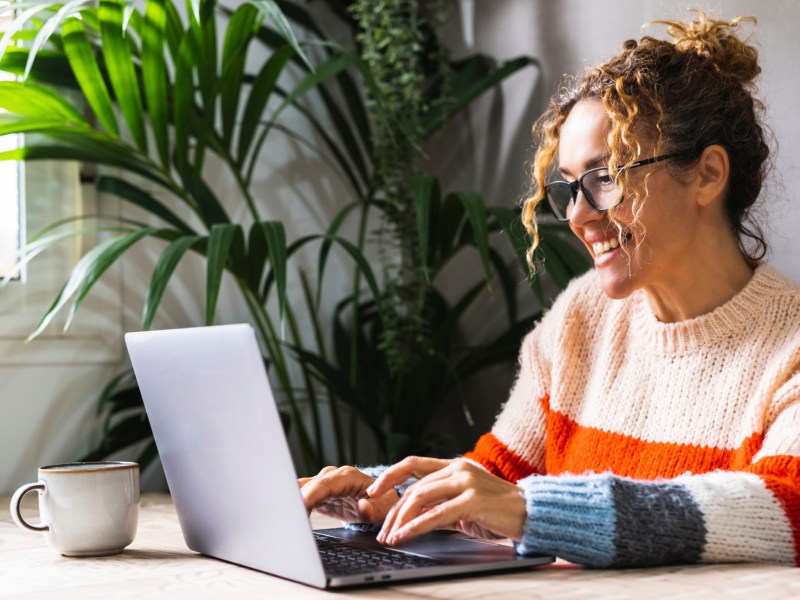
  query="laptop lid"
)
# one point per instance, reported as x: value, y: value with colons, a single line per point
x: 223, y: 449
x: 230, y: 472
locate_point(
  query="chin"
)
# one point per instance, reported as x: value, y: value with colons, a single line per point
x: 616, y: 285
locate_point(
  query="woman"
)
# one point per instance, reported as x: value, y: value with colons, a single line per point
x: 656, y: 414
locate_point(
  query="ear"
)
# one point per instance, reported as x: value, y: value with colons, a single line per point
x: 713, y: 169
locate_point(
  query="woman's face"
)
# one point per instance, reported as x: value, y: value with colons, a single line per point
x: 650, y: 256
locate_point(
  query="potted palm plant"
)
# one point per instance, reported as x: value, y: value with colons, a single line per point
x: 163, y: 96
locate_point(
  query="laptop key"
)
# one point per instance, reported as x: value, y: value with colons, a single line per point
x: 341, y: 558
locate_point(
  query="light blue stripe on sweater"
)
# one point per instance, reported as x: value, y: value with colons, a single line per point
x: 571, y: 517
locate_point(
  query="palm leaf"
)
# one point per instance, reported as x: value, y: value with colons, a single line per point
x: 82, y: 60
x: 50, y: 67
x: 121, y: 435
x: 262, y: 88
x: 204, y: 32
x: 238, y: 34
x: 210, y: 209
x: 154, y: 75
x: 341, y: 166
x: 344, y: 126
x: 148, y: 455
x: 327, y: 242
x: 183, y: 99
x: 328, y: 69
x: 220, y: 239
x: 49, y: 28
x: 20, y: 20
x: 121, y: 71
x: 88, y: 146
x: 137, y: 196
x: 174, y: 30
x: 277, y: 17
x: 162, y: 273
x: 426, y: 196
x: 471, y: 84
x: 118, y: 384
x: 100, y: 265
x: 444, y: 330
x: 41, y: 242
x: 12, y: 125
x: 503, y: 349
x: 476, y: 213
x: 88, y: 269
x: 353, y: 118
x: 554, y: 265
x: 275, y: 236
x: 37, y: 101
x: 507, y: 282
x: 574, y: 259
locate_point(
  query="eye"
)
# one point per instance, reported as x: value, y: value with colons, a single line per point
x: 603, y: 178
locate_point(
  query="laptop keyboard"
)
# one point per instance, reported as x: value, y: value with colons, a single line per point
x: 341, y: 558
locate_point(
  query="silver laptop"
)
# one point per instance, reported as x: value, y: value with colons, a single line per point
x: 228, y: 466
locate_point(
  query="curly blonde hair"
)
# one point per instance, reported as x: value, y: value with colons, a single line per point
x: 685, y: 94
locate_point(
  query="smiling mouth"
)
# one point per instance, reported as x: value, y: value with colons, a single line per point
x: 600, y: 248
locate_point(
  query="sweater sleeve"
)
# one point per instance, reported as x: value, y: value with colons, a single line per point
x: 602, y: 520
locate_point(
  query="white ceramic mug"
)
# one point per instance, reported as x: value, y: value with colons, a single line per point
x: 86, y: 509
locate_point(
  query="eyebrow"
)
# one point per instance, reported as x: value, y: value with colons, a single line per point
x: 598, y: 161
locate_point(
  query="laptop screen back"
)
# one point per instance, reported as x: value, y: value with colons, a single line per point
x: 223, y: 450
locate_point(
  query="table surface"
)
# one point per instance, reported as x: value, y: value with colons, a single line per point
x: 159, y: 565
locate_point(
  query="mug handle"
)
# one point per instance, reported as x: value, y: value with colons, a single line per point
x: 16, y: 513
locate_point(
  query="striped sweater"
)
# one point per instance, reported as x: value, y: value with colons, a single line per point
x: 641, y: 443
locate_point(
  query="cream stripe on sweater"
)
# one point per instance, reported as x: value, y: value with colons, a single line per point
x: 639, y: 442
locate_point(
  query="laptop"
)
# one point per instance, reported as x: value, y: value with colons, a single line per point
x: 230, y: 472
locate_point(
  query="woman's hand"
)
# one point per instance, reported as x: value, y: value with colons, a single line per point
x: 340, y: 492
x: 456, y: 495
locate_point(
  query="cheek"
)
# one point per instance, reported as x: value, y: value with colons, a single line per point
x: 623, y: 213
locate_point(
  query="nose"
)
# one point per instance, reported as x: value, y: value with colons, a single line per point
x: 582, y: 212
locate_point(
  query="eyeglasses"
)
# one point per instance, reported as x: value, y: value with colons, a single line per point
x: 600, y: 189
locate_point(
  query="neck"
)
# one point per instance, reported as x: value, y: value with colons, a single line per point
x: 711, y: 281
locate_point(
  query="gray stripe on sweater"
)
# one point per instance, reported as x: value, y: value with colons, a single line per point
x: 657, y: 524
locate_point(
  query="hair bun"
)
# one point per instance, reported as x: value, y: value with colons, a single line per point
x: 718, y: 44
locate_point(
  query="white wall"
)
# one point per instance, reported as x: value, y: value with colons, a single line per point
x: 46, y: 412
x: 571, y: 34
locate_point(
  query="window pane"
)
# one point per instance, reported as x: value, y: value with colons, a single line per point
x: 9, y: 207
x: 10, y: 218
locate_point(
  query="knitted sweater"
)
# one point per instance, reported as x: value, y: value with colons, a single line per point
x: 638, y: 443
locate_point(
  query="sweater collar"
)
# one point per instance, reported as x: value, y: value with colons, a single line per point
x: 708, y: 329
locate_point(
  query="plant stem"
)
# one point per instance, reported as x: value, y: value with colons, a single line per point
x: 355, y: 320
x: 220, y: 150
x: 312, y: 397
x: 332, y: 398
x: 267, y: 333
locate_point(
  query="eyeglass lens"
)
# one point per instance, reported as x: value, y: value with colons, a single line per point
x: 599, y: 188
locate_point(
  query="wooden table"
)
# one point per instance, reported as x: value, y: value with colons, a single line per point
x: 158, y: 565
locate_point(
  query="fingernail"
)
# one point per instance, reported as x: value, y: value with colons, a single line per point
x: 371, y: 489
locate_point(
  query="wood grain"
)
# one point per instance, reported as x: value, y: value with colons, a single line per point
x: 159, y: 565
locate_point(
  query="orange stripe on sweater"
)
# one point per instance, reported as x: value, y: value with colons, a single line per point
x: 573, y: 448
x: 499, y: 460
x: 781, y: 474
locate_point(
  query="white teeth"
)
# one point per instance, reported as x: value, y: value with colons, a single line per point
x: 603, y: 247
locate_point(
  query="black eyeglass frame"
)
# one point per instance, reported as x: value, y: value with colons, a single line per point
x: 574, y: 186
